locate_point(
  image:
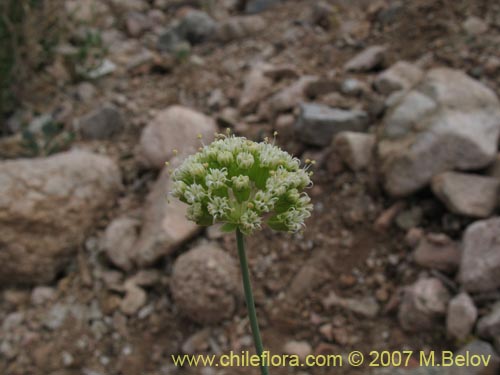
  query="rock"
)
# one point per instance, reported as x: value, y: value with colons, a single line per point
x: 85, y: 91
x: 409, y: 218
x: 239, y: 27
x: 196, y: 27
x: 165, y: 225
x: 317, y: 124
x: 287, y: 98
x: 480, y: 264
x: 134, y: 299
x: 175, y: 128
x: 462, y: 315
x: 146, y: 278
x: 488, y: 327
x: 366, y: 306
x: 400, y: 76
x: 414, y: 236
x: 476, y: 348
x: 105, y: 68
x: 324, y: 15
x: 424, y: 305
x: 197, y: 342
x: 136, y: 23
x: 439, y: 252
x: 492, y: 65
x: 205, y: 284
x: 257, y: 6
x: 467, y: 194
x: 170, y: 41
x: 352, y: 87
x: 118, y: 241
x: 299, y: 348
x: 494, y: 169
x: 102, y: 123
x: 448, y: 121
x: 355, y: 149
x: 47, y: 207
x: 256, y: 88
x: 369, y: 59
x: 475, y: 26
x: 42, y: 294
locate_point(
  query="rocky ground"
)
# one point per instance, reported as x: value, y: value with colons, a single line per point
x: 396, y: 101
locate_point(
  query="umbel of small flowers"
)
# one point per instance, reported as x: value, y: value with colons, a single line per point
x: 244, y: 184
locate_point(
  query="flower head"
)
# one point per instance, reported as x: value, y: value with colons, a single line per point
x: 242, y: 183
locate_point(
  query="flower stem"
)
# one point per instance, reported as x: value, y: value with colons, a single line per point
x: 252, y: 313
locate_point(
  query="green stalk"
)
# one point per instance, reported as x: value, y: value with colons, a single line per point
x: 252, y: 313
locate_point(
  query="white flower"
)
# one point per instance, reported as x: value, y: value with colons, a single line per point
x: 216, y: 178
x: 194, y: 193
x: 195, y: 211
x: 245, y: 160
x: 218, y: 207
x: 236, y: 181
x: 240, y: 182
x: 250, y: 221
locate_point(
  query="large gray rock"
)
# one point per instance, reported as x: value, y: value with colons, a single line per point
x: 467, y: 194
x: 462, y: 315
x: 175, y: 128
x: 448, y: 121
x: 47, y: 207
x: 317, y: 124
x: 400, y: 76
x: 480, y: 265
x: 424, y: 305
x: 102, y: 123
